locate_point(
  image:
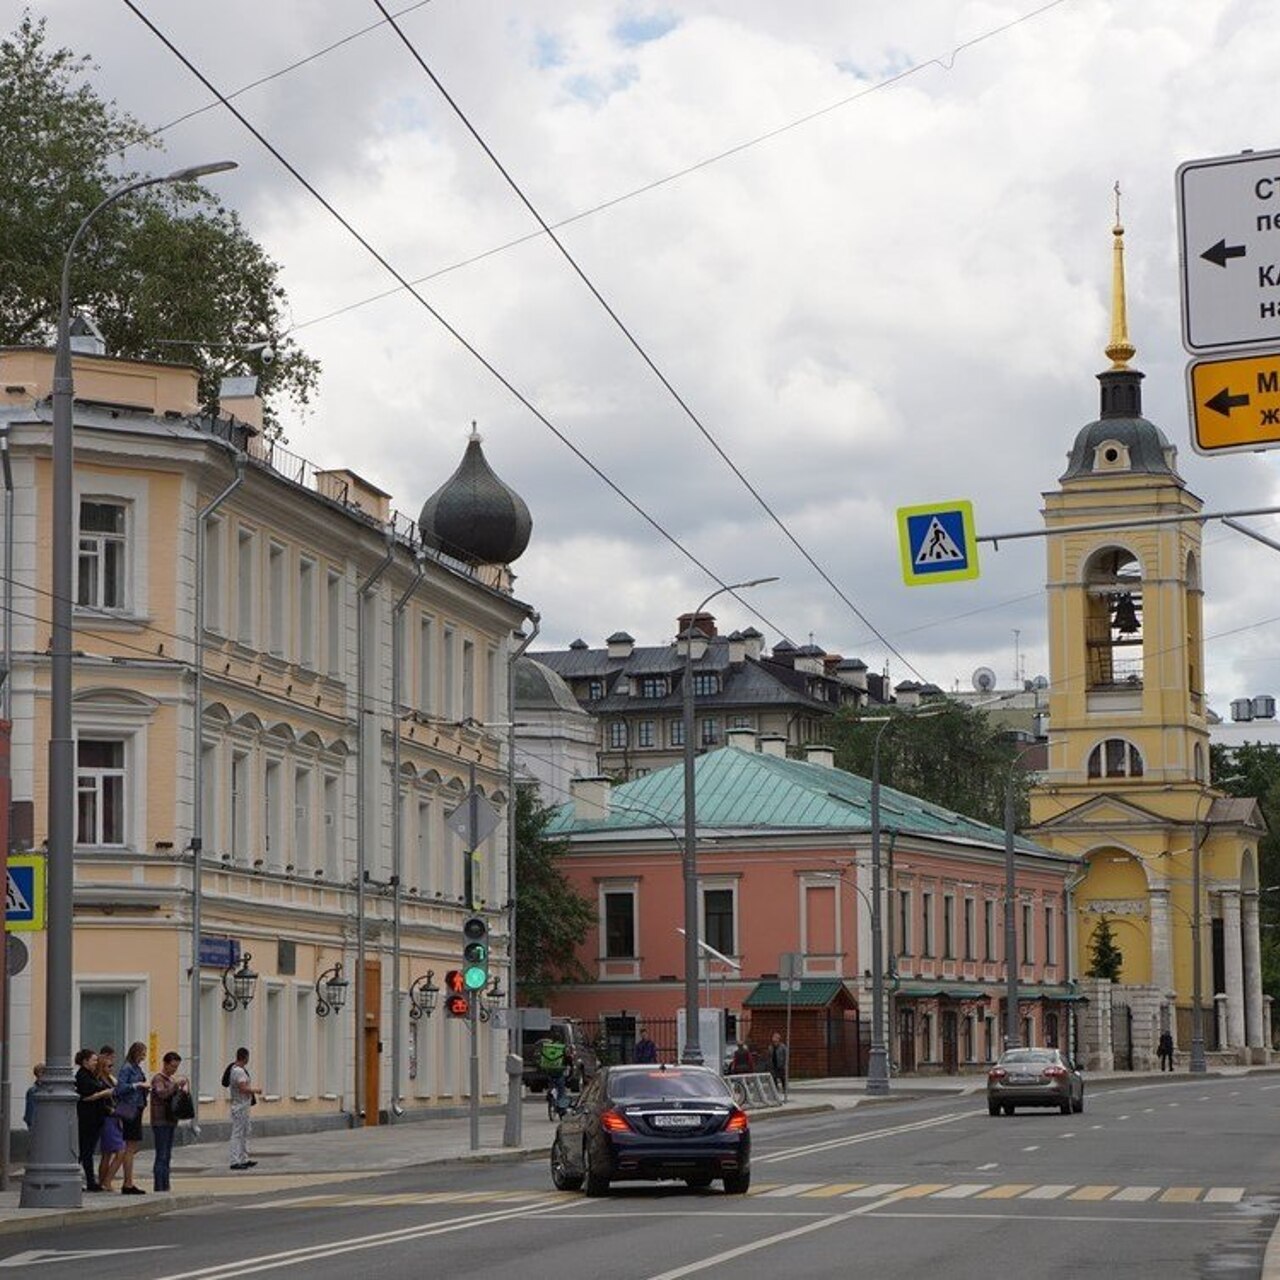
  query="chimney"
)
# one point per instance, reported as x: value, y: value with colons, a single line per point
x: 620, y: 644
x: 692, y: 640
x: 853, y: 672
x: 742, y: 738
x: 773, y: 744
x: 818, y: 753
x: 590, y: 798
x: 238, y: 398
x: 704, y: 622
x: 737, y: 649
x: 754, y: 643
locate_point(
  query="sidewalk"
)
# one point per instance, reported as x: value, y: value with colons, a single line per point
x: 290, y: 1161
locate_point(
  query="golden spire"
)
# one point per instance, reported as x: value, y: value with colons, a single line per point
x: 1119, y: 350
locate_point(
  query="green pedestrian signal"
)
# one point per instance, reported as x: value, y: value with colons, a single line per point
x: 475, y: 954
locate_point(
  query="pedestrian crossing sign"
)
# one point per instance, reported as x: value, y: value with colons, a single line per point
x: 24, y: 893
x: 938, y: 543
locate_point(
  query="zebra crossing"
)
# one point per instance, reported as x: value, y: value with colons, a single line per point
x: 1090, y: 1193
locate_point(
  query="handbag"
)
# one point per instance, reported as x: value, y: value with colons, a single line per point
x: 181, y: 1106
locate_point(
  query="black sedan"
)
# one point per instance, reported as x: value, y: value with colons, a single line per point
x: 1034, y: 1078
x: 651, y: 1122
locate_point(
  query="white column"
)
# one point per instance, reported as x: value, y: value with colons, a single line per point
x: 1161, y: 940
x: 1252, y: 973
x: 1233, y: 957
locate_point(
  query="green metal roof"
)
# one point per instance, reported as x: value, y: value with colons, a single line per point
x: 922, y: 990
x: 739, y: 790
x: 814, y: 993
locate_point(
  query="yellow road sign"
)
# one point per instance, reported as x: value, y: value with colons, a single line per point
x: 1235, y: 403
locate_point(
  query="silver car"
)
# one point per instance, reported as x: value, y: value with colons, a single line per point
x: 1034, y: 1078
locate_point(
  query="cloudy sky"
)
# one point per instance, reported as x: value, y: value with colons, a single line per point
x: 866, y: 241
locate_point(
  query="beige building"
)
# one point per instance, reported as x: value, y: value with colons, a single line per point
x: 311, y: 590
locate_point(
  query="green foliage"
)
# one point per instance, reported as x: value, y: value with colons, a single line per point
x: 552, y: 918
x: 953, y: 757
x: 165, y: 263
x: 1106, y: 960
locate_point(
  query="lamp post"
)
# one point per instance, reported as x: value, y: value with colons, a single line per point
x: 1012, y: 1023
x: 52, y: 1179
x: 878, y: 1061
x: 692, y: 1035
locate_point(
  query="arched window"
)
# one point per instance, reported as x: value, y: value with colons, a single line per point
x: 1113, y: 618
x: 1115, y: 758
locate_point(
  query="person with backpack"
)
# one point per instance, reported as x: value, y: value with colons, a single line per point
x: 554, y: 1062
x: 167, y: 1091
x: 243, y: 1096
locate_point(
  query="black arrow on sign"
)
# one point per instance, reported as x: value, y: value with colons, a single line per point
x: 1222, y: 251
x: 1224, y: 402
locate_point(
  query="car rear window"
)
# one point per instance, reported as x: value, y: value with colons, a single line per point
x: 642, y: 1085
x: 1029, y: 1055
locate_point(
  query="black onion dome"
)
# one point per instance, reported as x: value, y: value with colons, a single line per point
x: 474, y: 515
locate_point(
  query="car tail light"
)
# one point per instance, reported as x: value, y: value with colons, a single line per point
x: 1055, y: 1073
x: 997, y: 1073
x: 737, y: 1122
x: 613, y: 1121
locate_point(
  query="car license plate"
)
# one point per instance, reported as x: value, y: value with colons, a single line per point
x: 1022, y: 1079
x: 675, y: 1122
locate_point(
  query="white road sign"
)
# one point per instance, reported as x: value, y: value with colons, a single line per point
x: 1229, y: 240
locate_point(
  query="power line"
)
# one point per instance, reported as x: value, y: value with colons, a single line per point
x: 640, y: 350
x: 454, y: 333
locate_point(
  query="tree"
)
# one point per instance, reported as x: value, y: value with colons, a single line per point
x: 552, y: 919
x: 954, y: 757
x: 1106, y: 960
x: 165, y: 268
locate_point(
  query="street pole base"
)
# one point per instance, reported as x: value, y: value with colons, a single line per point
x: 878, y: 1072
x: 52, y: 1187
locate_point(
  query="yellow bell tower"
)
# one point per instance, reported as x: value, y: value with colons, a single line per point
x: 1127, y: 783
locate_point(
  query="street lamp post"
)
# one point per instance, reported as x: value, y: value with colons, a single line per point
x: 1012, y: 1022
x: 52, y: 1179
x: 878, y: 1062
x: 692, y: 1035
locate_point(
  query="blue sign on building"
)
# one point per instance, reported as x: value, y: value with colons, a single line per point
x: 219, y: 953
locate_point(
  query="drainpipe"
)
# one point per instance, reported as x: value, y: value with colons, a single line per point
x: 394, y: 1111
x: 197, y: 794
x: 5, y: 694
x: 511, y: 1134
x: 362, y: 755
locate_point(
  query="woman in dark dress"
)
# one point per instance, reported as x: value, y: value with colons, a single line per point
x: 91, y: 1110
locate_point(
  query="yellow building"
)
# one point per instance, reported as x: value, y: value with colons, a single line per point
x: 1127, y: 785
x: 311, y: 589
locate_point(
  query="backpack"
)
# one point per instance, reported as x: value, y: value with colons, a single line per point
x: 551, y: 1055
x: 226, y: 1076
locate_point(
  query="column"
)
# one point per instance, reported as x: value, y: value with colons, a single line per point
x: 1161, y: 940
x: 1233, y: 957
x: 1254, y: 1033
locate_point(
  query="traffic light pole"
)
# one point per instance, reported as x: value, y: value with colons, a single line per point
x: 473, y: 1014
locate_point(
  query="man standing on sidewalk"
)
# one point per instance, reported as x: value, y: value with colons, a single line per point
x: 244, y: 1095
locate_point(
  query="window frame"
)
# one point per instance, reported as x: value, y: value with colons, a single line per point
x: 731, y: 889
x: 101, y: 774
x: 630, y: 893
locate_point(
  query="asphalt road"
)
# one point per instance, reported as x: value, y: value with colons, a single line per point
x: 1176, y: 1179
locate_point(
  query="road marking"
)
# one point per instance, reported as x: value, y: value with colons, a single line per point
x: 982, y: 1168
x: 34, y: 1257
x: 1007, y: 1191
x: 1122, y: 1117
x: 1181, y: 1195
x: 876, y: 1191
x: 1138, y: 1194
x: 1050, y: 1191
x: 962, y: 1192
x: 1093, y: 1193
x: 762, y: 1187
x: 835, y: 1189
x: 1266, y: 1088
x: 1066, y: 1135
x: 915, y: 1126
x: 1095, y: 1126
x: 1174, y: 1104
x: 1031, y: 1148
x: 919, y: 1191
x: 1224, y: 1195
x: 793, y: 1189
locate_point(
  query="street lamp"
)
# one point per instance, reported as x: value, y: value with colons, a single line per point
x: 423, y: 994
x: 52, y: 1179
x: 692, y: 1032
x: 331, y: 991
x: 238, y: 985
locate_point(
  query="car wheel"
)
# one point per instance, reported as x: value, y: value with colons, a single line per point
x: 993, y: 1108
x: 1078, y: 1106
x: 561, y: 1178
x: 1067, y: 1107
x: 592, y: 1183
x: 1007, y: 1107
x: 699, y: 1182
x: 737, y: 1184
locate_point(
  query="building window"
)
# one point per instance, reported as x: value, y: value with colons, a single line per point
x: 302, y: 859
x: 239, y: 804
x: 988, y: 930
x: 617, y: 734
x: 277, y: 599
x: 332, y: 792
x: 468, y: 680
x: 620, y: 925
x: 676, y: 733
x: 968, y: 928
x: 741, y: 722
x: 103, y: 547
x: 904, y: 922
x: 334, y: 621
x: 1050, y: 938
x: 653, y: 686
x: 948, y: 927
x: 450, y: 705
x: 1028, y: 936
x: 307, y: 612
x: 213, y: 575
x: 245, y: 546
x: 705, y: 683
x: 100, y: 792
x: 926, y: 914
x: 717, y: 920
x: 595, y: 690
x: 709, y: 732
x: 1115, y: 758
x: 426, y: 664
x: 272, y: 812
x: 644, y: 733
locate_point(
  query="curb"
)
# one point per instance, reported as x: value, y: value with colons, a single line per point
x: 78, y: 1217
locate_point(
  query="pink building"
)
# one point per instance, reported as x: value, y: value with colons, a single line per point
x: 784, y: 866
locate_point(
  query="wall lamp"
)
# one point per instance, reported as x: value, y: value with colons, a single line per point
x: 331, y: 991
x: 423, y: 994
x: 238, y: 984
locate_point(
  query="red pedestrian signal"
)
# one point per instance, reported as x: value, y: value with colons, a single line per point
x: 454, y: 982
x: 457, y: 1006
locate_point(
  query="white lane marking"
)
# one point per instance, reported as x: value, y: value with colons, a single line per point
x: 982, y: 1168
x: 34, y: 1257
x: 1147, y: 1110
x: 915, y: 1126
x: 1138, y: 1194
x: 961, y: 1192
x: 1174, y: 1104
x: 876, y: 1191
x: 1224, y: 1195
x: 1031, y: 1148
x: 1095, y: 1126
x: 1266, y: 1088
x: 1235, y: 1093
x: 1204, y: 1097
x: 1122, y: 1117
x: 1050, y: 1191
x: 792, y: 1189
x: 1066, y: 1135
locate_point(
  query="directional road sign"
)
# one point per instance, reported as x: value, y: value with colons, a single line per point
x: 1229, y: 235
x: 1235, y: 403
x: 25, y: 893
x: 938, y: 543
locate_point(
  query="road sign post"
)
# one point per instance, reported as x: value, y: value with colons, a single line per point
x: 938, y: 543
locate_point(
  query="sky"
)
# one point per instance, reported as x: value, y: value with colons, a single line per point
x: 867, y: 245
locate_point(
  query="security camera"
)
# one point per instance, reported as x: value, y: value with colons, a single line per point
x: 268, y: 354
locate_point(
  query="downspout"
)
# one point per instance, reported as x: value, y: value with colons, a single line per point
x: 512, y: 1130
x: 362, y: 753
x: 6, y: 696
x: 394, y: 1111
x: 197, y: 784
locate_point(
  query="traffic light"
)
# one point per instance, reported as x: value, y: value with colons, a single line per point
x: 457, y: 1004
x: 475, y: 954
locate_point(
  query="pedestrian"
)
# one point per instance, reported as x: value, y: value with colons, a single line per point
x: 742, y: 1063
x: 778, y: 1056
x: 166, y: 1084
x: 646, y: 1050
x: 1164, y: 1051
x: 29, y: 1107
x: 131, y: 1097
x: 93, y: 1099
x: 244, y: 1094
x: 110, y: 1135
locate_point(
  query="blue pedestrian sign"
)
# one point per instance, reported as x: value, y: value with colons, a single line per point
x: 938, y: 543
x: 24, y: 893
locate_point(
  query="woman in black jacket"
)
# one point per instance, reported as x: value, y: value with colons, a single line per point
x: 91, y: 1111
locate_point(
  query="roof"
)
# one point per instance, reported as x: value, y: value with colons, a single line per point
x: 814, y: 993
x: 749, y: 790
x: 538, y: 688
x: 922, y: 990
